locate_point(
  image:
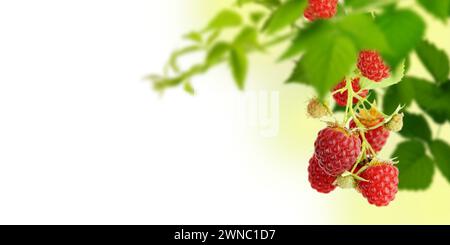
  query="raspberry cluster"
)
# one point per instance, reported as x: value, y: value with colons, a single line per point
x: 320, y: 9
x: 345, y: 154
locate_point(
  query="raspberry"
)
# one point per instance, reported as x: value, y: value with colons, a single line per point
x: 377, y: 137
x: 317, y: 109
x: 309, y: 14
x: 372, y: 66
x: 381, y: 185
x: 336, y: 149
x: 320, y: 9
x: 341, y: 98
x: 320, y: 181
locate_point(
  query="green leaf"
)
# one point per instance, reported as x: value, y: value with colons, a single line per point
x: 415, y: 167
x: 396, y: 77
x: 325, y: 64
x: 355, y: 4
x: 441, y: 154
x: 365, y: 4
x: 217, y: 53
x: 285, y: 15
x: 432, y: 99
x: 247, y: 38
x: 416, y: 127
x: 194, y: 36
x: 213, y: 37
x: 435, y: 60
x: 188, y: 88
x: 257, y: 16
x: 267, y: 3
x: 399, y: 94
x: 349, y: 26
x: 437, y: 8
x: 225, y: 19
x: 238, y: 62
x: 403, y: 30
x: 371, y: 38
x: 319, y: 30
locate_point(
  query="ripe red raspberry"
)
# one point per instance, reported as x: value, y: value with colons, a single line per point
x: 372, y: 66
x: 320, y: 181
x: 337, y: 149
x: 341, y: 98
x: 320, y: 9
x: 377, y: 137
x: 381, y: 185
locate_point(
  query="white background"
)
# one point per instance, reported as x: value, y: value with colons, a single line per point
x: 84, y: 140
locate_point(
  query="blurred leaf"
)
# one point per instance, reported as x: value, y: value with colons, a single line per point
x: 257, y: 16
x: 267, y: 3
x: 437, y: 8
x: 238, y: 62
x: 247, y: 38
x: 435, y: 60
x: 319, y: 30
x: 415, y: 167
x: 225, y: 19
x: 194, y: 36
x: 355, y: 4
x: 407, y: 64
x: 325, y: 64
x: 217, y: 53
x: 403, y: 30
x: 432, y: 99
x: 188, y: 88
x: 399, y: 94
x: 416, y: 127
x: 365, y: 4
x: 371, y: 38
x: 285, y: 15
x: 213, y: 37
x: 441, y: 153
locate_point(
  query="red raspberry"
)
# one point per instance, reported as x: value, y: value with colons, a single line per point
x: 377, y: 137
x: 381, y: 185
x: 372, y: 66
x: 341, y: 98
x: 320, y: 9
x: 320, y: 181
x: 337, y: 149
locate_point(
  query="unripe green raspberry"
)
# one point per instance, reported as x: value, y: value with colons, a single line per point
x: 346, y: 182
x: 317, y: 109
x: 396, y: 123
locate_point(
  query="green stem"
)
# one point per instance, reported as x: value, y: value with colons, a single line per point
x: 351, y: 113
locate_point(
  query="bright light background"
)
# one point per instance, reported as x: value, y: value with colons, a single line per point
x: 84, y: 140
